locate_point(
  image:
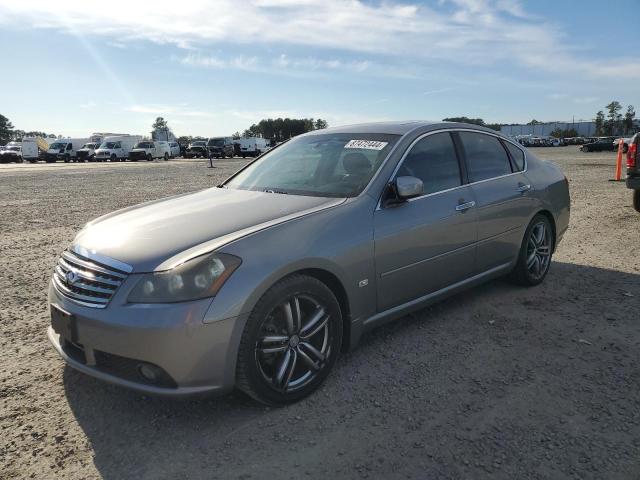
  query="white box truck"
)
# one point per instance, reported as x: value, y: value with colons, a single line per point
x: 64, y: 149
x: 252, y: 146
x: 32, y: 146
x: 116, y: 148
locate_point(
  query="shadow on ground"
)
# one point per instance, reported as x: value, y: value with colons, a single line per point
x: 499, y: 381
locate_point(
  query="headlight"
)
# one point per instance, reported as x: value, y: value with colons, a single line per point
x: 198, y: 278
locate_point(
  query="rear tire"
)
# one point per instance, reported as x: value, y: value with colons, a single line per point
x: 290, y: 342
x: 166, y: 156
x: 535, y: 254
x: 149, y: 157
x: 636, y: 200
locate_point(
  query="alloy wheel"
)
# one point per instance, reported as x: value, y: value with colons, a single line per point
x: 539, y: 250
x: 294, y: 343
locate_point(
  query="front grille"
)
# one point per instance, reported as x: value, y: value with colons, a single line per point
x: 86, y: 281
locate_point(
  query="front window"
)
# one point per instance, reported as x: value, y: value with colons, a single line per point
x: 216, y: 142
x: 57, y: 146
x: 433, y: 160
x: 13, y: 148
x: 326, y: 165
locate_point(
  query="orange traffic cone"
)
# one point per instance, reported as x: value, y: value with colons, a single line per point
x: 618, y: 176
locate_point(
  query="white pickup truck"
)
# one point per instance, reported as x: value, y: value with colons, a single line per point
x: 148, y: 150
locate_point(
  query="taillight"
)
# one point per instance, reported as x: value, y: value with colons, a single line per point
x: 632, y: 154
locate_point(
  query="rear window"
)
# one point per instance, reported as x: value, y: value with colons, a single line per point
x: 486, y: 157
x: 517, y: 156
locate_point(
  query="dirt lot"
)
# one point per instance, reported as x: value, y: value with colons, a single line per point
x: 499, y: 382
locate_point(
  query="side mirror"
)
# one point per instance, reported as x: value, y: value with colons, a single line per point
x: 409, y: 187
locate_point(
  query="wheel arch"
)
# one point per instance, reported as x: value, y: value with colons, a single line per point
x: 552, y: 221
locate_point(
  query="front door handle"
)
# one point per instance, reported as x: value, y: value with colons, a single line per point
x: 523, y: 187
x: 463, y: 207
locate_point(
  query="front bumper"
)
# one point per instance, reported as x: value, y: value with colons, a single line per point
x: 137, y: 155
x: 113, y: 343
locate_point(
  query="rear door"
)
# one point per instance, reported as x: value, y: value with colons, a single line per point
x: 428, y: 242
x: 502, y: 194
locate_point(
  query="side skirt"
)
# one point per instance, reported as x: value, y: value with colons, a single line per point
x: 358, y: 328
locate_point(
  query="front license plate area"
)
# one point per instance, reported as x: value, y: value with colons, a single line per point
x: 63, y: 323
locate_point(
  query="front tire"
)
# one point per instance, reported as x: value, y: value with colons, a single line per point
x: 290, y: 342
x: 535, y: 255
x: 166, y: 156
x: 636, y: 200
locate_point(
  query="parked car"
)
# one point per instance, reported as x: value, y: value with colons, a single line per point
x: 633, y: 169
x: 261, y: 282
x: 599, y: 145
x: 174, y: 149
x: 64, y: 149
x: 116, y: 148
x: 11, y: 152
x: 625, y: 144
x: 148, y: 150
x: 197, y: 149
x: 88, y: 152
x: 221, y: 147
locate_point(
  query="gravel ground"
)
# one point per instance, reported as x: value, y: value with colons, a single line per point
x: 498, y: 382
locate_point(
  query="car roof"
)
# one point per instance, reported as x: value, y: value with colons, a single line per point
x: 399, y: 127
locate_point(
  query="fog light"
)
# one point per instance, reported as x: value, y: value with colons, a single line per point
x: 149, y: 372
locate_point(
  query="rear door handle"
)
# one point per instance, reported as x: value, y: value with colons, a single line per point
x: 463, y: 207
x: 523, y: 188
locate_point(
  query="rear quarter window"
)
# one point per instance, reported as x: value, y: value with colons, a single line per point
x: 517, y: 156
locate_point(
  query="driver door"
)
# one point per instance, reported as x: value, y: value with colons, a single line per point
x: 429, y: 242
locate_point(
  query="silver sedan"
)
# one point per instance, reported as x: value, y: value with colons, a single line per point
x: 260, y: 283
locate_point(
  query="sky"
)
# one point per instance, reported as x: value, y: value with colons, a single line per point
x: 73, y: 67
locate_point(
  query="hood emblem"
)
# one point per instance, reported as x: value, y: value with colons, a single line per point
x: 71, y: 277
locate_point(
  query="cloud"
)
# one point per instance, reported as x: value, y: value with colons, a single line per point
x: 479, y: 33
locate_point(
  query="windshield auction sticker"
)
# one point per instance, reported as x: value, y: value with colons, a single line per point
x: 366, y: 144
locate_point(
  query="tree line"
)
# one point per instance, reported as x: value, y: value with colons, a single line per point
x: 473, y: 121
x: 8, y: 133
x: 280, y: 129
x: 614, y: 122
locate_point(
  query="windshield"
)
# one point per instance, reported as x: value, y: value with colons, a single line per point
x: 329, y: 165
x: 199, y: 144
x: 144, y: 145
x: 57, y: 146
x: 13, y: 148
x: 89, y: 145
x: 108, y: 145
x: 216, y: 142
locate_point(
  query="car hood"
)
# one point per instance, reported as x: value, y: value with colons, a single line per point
x: 148, y: 236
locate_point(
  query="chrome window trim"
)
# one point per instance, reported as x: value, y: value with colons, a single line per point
x: 452, y: 130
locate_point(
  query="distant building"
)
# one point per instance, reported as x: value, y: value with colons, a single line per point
x: 584, y: 129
